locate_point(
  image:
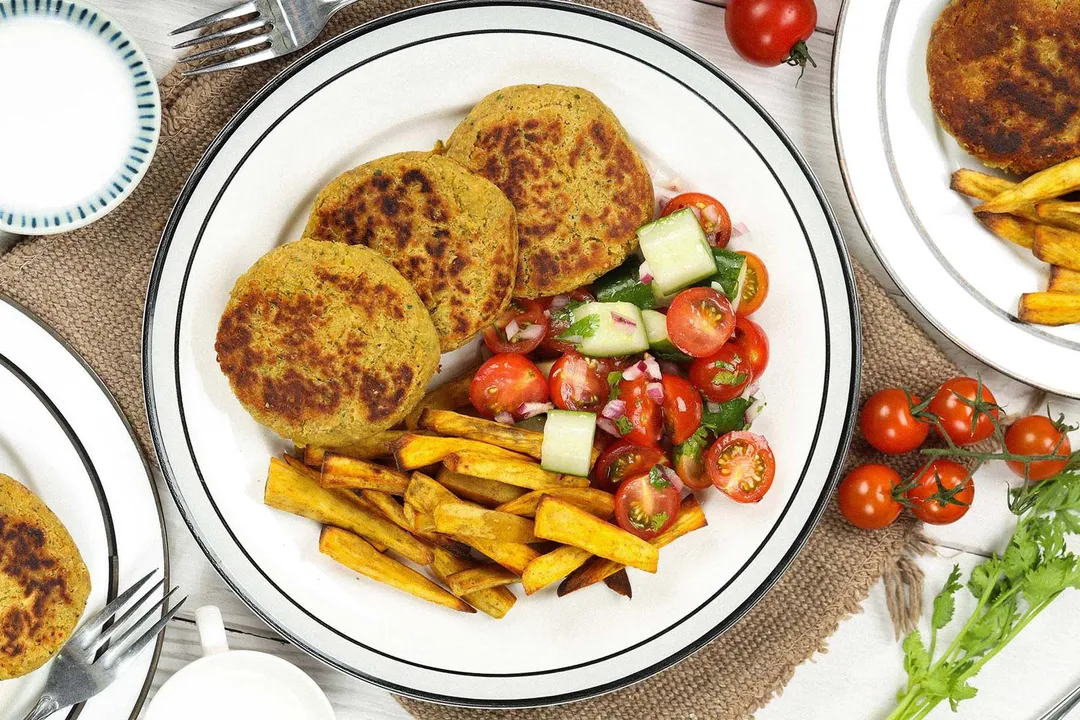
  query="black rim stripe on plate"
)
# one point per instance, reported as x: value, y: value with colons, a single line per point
x: 346, y: 37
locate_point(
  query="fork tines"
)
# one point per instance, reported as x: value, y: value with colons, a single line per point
x: 243, y: 37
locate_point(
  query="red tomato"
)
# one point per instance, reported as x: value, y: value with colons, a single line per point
x: 741, y: 465
x: 642, y: 412
x: 531, y: 321
x: 956, y: 415
x: 690, y: 462
x: 579, y: 383
x: 705, y: 206
x: 755, y: 286
x: 558, y: 325
x: 723, y: 376
x: 646, y: 505
x: 682, y: 408
x: 1037, y: 435
x: 946, y: 504
x: 622, y: 460
x: 770, y: 32
x: 887, y: 423
x: 752, y: 342
x: 866, y: 497
x: 700, y: 321
x: 504, y: 382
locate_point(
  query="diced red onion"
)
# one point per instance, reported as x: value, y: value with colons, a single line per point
x: 669, y: 368
x: 634, y: 371
x: 504, y: 418
x: 645, y: 273
x: 614, y: 409
x: 652, y: 368
x: 608, y: 426
x: 717, y: 287
x: 531, y: 332
x: 559, y: 301
x: 573, y: 339
x: 711, y: 238
x: 511, y: 330
x: 529, y: 409
x: 711, y: 406
x: 626, y: 322
x: 753, y: 412
x: 671, y: 476
x: 710, y: 213
x: 751, y: 389
x: 739, y: 229
x: 696, y: 211
x: 675, y: 185
x: 656, y: 391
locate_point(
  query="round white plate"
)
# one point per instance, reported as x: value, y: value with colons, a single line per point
x: 62, y: 435
x: 402, y: 83
x: 80, y: 118
x: 896, y: 162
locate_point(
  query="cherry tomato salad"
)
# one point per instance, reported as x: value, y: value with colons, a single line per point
x: 659, y: 355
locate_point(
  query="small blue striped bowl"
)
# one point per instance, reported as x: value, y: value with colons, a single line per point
x: 110, y: 176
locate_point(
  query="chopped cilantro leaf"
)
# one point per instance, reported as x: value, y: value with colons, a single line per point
x: 565, y: 314
x: 657, y: 479
x: 727, y: 377
x: 657, y: 521
x: 583, y: 328
x: 613, y: 379
x: 624, y: 425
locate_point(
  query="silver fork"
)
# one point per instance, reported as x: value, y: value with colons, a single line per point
x: 81, y: 669
x: 271, y: 28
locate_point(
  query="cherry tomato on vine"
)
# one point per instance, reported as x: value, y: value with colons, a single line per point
x: 1037, y: 435
x: 504, y: 382
x: 741, y: 465
x: 752, y: 342
x: 888, y: 425
x: 755, y: 286
x: 944, y: 504
x: 711, y: 213
x: 953, y: 404
x: 770, y: 32
x: 699, y: 321
x: 646, y: 505
x: 682, y: 408
x: 529, y: 327
x: 621, y: 460
x: 866, y: 497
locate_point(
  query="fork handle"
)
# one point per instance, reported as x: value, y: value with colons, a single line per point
x: 45, y: 707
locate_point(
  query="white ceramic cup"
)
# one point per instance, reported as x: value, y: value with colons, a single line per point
x: 227, y: 684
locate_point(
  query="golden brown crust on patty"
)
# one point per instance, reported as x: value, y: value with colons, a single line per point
x: 1005, y: 80
x: 568, y: 166
x: 450, y: 233
x: 43, y: 581
x: 326, y: 343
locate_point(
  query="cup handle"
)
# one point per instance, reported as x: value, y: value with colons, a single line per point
x: 211, y: 630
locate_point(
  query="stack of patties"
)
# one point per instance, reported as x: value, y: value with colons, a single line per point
x: 44, y: 582
x: 539, y: 191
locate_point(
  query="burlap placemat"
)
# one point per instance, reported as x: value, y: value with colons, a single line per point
x: 90, y: 286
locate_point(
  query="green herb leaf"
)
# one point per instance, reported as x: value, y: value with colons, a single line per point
x: 658, y: 520
x: 694, y: 445
x: 945, y: 602
x: 726, y: 377
x: 565, y: 314
x: 624, y: 425
x: 583, y: 328
x: 728, y: 416
x: 613, y: 379
x: 960, y: 690
x: 657, y: 479
x: 916, y: 658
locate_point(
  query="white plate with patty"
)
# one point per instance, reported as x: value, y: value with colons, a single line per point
x: 63, y: 437
x: 896, y: 161
x: 402, y: 83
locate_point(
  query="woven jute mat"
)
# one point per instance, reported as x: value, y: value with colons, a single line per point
x: 90, y: 286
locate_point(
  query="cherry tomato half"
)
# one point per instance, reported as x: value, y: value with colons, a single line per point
x: 770, y: 32
x: 752, y: 343
x: 577, y: 382
x: 504, y: 382
x: 682, y: 408
x: 723, y: 376
x: 689, y: 460
x: 711, y: 213
x: 532, y: 325
x: 621, y: 460
x: 558, y: 323
x: 866, y: 497
x: 956, y: 414
x: 699, y: 321
x: 888, y: 425
x: 741, y: 465
x: 642, y: 412
x: 646, y: 505
x: 755, y: 286
x: 941, y: 505
x: 1037, y: 435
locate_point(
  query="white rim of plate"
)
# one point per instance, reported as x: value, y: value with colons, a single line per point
x: 216, y: 552
x: 873, y: 184
x: 25, y: 377
x: 130, y: 173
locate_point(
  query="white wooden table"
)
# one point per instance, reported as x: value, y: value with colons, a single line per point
x: 862, y: 670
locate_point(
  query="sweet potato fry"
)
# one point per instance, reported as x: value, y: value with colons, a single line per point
x: 425, y: 494
x: 489, y: 493
x: 562, y: 522
x: 455, y: 424
x: 373, y: 446
x: 1009, y: 227
x: 1050, y: 183
x: 620, y: 583
x: 1050, y: 308
x: 496, y: 602
x: 355, y: 553
x: 553, y: 566
x: 593, y: 501
x: 300, y: 494
x: 1063, y: 280
x: 1057, y: 247
x: 1062, y: 213
x: 522, y: 473
x: 450, y: 396
x: 485, y: 577
x: 413, y: 451
x: 394, y: 511
x: 339, y: 471
x: 467, y: 520
x: 691, y: 517
x: 979, y: 185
